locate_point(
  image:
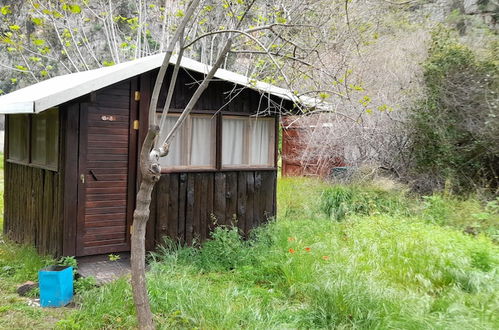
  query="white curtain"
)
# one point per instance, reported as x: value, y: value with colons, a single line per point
x: 233, y: 141
x: 261, y: 141
x: 202, y: 141
x: 174, y: 157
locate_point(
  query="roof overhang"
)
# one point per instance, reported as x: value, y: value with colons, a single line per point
x: 58, y: 90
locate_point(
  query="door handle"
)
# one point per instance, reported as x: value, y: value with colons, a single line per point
x: 82, y: 178
x: 93, y: 175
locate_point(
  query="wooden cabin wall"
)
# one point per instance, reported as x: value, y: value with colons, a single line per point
x: 33, y: 208
x: 186, y: 206
x: 243, y: 101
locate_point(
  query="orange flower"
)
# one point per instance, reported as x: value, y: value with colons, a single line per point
x: 325, y: 257
x: 291, y: 251
x: 307, y: 249
x: 291, y: 239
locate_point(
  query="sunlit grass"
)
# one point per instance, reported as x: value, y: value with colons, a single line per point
x: 386, y: 266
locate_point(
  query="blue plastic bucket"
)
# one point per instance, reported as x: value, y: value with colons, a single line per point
x: 56, y: 286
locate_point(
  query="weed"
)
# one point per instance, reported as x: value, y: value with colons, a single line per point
x: 84, y: 284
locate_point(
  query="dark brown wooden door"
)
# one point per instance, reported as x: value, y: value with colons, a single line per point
x: 107, y: 157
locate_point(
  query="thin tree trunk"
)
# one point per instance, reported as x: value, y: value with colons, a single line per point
x: 150, y: 170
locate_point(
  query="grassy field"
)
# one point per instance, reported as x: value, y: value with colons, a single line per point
x: 370, y: 256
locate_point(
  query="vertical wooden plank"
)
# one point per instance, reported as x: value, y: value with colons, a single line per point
x: 210, y: 206
x: 205, y: 206
x: 219, y: 198
x: 163, y: 210
x: 173, y: 197
x: 151, y: 223
x: 231, y: 195
x: 82, y: 161
x: 7, y: 177
x: 69, y: 165
x: 190, y: 212
x: 259, y: 200
x: 268, y: 184
x: 198, y: 206
x: 241, y: 200
x: 182, y: 197
x: 132, y: 158
x: 145, y: 96
x: 250, y: 205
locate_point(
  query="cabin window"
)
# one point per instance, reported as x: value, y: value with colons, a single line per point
x: 194, y: 143
x: 34, y: 139
x: 248, y: 142
x: 18, y: 139
x: 44, y: 138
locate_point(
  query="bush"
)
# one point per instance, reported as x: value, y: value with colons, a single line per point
x: 340, y: 201
x: 455, y: 129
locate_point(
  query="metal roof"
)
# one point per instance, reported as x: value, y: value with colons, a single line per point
x: 52, y: 92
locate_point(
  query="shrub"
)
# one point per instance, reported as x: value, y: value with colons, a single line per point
x: 340, y: 201
x: 455, y: 129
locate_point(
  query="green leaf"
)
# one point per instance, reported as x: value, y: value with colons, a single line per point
x: 35, y: 59
x: 108, y: 63
x: 22, y: 68
x: 13, y: 80
x: 38, y: 42
x: 5, y: 10
x: 14, y: 27
x: 281, y: 20
x: 37, y: 20
x: 180, y: 13
x: 44, y: 73
x: 75, y: 9
x: 324, y: 95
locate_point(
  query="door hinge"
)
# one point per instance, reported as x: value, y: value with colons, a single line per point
x: 137, y: 96
x: 136, y: 125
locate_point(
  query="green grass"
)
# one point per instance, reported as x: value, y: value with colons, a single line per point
x: 359, y: 256
x: 400, y: 262
x: 19, y: 264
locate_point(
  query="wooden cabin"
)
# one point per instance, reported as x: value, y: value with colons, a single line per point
x: 298, y: 139
x: 71, y: 157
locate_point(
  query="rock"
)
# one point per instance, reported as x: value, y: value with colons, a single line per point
x: 25, y: 288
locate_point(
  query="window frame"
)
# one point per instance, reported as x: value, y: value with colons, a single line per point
x: 29, y: 136
x: 186, y: 130
x: 217, y: 140
x: 247, y: 144
x: 26, y: 141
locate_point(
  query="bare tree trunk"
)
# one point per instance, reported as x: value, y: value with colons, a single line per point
x: 140, y: 218
x: 150, y: 170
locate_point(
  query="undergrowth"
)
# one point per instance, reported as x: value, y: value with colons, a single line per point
x: 399, y: 262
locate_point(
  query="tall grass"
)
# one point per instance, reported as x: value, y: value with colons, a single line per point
x: 387, y: 265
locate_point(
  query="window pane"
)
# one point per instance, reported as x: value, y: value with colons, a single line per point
x: 38, y: 139
x: 202, y: 138
x: 45, y: 138
x: 52, y: 146
x: 176, y: 154
x: 18, y: 137
x: 233, y: 141
x: 262, y: 141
